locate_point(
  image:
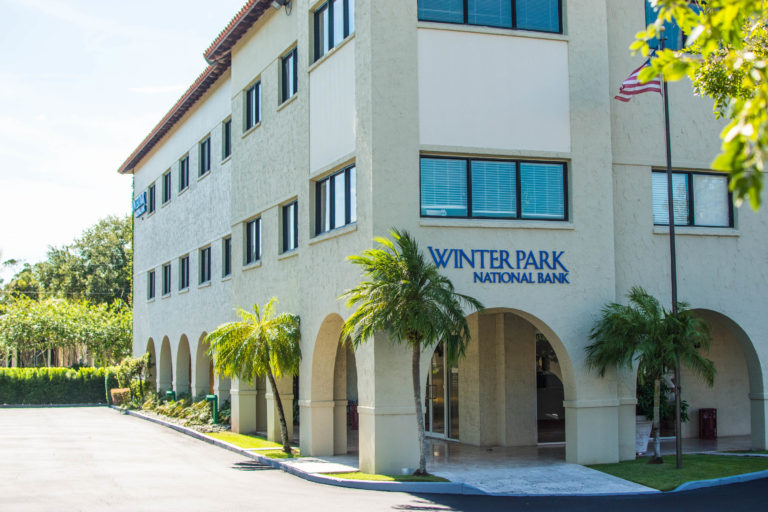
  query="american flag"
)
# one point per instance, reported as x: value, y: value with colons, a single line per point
x: 632, y: 86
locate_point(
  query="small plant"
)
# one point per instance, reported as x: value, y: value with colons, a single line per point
x: 120, y: 396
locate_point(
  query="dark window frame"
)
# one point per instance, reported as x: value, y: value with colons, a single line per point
x: 289, y: 58
x: 166, y: 187
x: 330, y: 197
x: 518, y: 188
x: 329, y: 8
x: 252, y: 105
x: 205, y: 156
x: 204, y: 275
x: 286, y: 238
x: 253, y: 241
x: 692, y: 199
x: 151, y: 285
x: 184, y: 173
x: 514, y: 19
x: 226, y: 139
x: 151, y: 204
x: 226, y: 256
x: 184, y: 272
x: 167, y: 282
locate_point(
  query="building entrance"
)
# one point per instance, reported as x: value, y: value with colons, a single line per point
x: 442, y: 397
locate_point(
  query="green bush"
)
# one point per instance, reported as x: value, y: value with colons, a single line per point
x: 38, y: 386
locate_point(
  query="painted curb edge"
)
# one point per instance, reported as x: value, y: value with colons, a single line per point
x: 716, y: 482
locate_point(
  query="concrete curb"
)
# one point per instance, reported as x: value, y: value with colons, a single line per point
x: 410, y: 487
x: 46, y: 406
x: 418, y: 487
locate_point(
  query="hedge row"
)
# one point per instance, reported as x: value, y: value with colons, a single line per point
x: 37, y: 386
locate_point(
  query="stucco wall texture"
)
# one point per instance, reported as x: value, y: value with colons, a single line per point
x: 399, y: 88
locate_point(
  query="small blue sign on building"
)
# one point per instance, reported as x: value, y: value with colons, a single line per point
x: 140, y: 205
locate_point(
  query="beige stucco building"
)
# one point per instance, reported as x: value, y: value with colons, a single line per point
x: 493, y: 138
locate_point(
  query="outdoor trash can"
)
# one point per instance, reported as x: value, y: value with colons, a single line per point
x: 707, y: 423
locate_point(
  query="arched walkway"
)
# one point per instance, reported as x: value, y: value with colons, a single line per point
x: 181, y: 383
x: 152, y: 368
x: 165, y: 367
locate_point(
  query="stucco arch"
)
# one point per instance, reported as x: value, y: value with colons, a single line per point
x: 181, y: 382
x: 165, y: 367
x: 202, y: 369
x: 152, y: 368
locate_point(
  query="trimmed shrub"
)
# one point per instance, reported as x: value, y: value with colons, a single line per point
x: 120, y: 396
x: 38, y: 386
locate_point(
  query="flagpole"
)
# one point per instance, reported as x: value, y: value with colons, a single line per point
x: 673, y: 264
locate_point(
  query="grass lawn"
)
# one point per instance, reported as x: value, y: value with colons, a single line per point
x: 387, y: 478
x: 666, y: 477
x: 243, y: 441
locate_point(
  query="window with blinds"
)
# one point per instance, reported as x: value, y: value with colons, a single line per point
x: 494, y: 189
x: 537, y: 15
x: 698, y: 199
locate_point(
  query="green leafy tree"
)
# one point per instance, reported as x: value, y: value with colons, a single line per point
x: 24, y: 282
x: 726, y: 58
x: 645, y: 333
x: 406, y: 297
x: 262, y: 343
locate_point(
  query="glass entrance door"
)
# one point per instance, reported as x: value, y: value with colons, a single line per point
x: 442, y: 398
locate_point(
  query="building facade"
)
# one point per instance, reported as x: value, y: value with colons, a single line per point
x: 492, y: 136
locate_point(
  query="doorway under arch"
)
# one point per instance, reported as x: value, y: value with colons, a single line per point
x: 165, y: 367
x: 152, y: 366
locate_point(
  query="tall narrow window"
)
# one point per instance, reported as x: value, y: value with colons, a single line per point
x: 183, y: 173
x: 226, y: 256
x: 150, y: 285
x: 205, y: 156
x: 205, y: 265
x: 151, y: 198
x: 166, y: 279
x: 253, y: 106
x: 166, y: 187
x: 290, y: 226
x: 184, y: 272
x: 252, y: 241
x: 290, y: 81
x: 226, y: 137
x: 335, y: 199
x: 334, y: 22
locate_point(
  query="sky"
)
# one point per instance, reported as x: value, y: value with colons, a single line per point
x: 82, y: 82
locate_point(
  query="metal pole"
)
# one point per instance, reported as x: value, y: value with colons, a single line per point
x: 673, y: 265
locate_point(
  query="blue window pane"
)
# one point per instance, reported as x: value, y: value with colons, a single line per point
x: 493, y: 189
x: 542, y: 191
x: 442, y: 10
x: 674, y: 37
x: 541, y: 15
x: 443, y: 187
x: 493, y: 13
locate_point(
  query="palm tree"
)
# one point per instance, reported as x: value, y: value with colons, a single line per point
x: 261, y: 344
x: 406, y: 296
x: 647, y: 333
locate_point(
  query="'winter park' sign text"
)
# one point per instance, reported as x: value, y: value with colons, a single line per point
x: 499, y: 266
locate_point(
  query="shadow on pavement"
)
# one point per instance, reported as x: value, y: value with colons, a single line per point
x: 251, y: 465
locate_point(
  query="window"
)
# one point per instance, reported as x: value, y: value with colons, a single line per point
x: 226, y: 138
x: 334, y: 21
x: 290, y: 226
x: 252, y: 241
x: 166, y: 187
x: 226, y: 256
x: 151, y: 198
x: 205, y: 265
x: 166, y: 279
x: 150, y: 285
x: 183, y: 173
x: 290, y: 83
x: 675, y: 38
x: 698, y: 199
x: 253, y: 106
x: 537, y: 15
x: 335, y: 201
x: 184, y: 272
x: 494, y: 189
x: 205, y: 156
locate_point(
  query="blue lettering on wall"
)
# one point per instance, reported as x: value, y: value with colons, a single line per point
x: 495, y: 266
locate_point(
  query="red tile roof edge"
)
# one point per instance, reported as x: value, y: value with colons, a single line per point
x: 239, y: 25
x: 199, y: 87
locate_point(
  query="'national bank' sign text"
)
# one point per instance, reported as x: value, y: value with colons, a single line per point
x: 505, y: 267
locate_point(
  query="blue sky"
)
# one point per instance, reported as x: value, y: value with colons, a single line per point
x: 82, y: 82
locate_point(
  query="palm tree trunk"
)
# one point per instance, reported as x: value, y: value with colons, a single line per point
x: 415, y: 359
x: 656, y: 422
x: 280, y: 412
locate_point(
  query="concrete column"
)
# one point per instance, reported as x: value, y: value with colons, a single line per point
x: 285, y: 389
x: 164, y: 382
x: 221, y: 386
x: 388, y: 433
x: 591, y: 431
x: 261, y: 404
x: 317, y: 427
x: 627, y: 392
x: 759, y: 420
x: 340, y: 427
x: 180, y: 383
x: 243, y: 397
x: 519, y: 341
